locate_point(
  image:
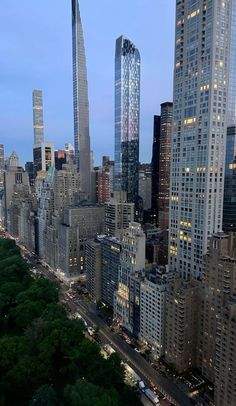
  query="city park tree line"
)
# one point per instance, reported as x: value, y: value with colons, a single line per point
x: 45, y: 358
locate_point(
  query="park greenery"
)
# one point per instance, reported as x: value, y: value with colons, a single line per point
x: 45, y: 358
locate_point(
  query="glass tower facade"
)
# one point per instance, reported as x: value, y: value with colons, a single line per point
x: 38, y: 116
x: 80, y: 99
x: 229, y: 213
x: 127, y: 112
x: 199, y: 130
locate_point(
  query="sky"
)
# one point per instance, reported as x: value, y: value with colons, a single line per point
x: 35, y: 53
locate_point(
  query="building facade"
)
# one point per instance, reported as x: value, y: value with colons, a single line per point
x: 43, y: 157
x: 231, y: 110
x: 181, y: 324
x: 132, y: 261
x: 127, y: 117
x: 80, y: 100
x: 152, y: 310
x: 219, y: 283
x: 225, y: 363
x: 118, y: 215
x: 199, y: 130
x: 38, y: 116
x: 79, y: 224
x: 145, y: 185
x: 164, y: 165
x: 111, y: 252
x: 229, y: 212
x: 155, y: 166
x: 93, y: 268
x: 2, y: 161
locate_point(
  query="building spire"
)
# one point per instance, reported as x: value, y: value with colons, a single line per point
x: 80, y: 99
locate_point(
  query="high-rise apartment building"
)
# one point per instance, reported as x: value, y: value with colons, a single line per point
x: 80, y: 223
x: 231, y: 110
x: 229, y: 212
x: 118, y: 214
x: 111, y: 251
x: 60, y: 159
x: 38, y: 116
x: 225, y: 363
x: 103, y: 186
x: 81, y: 103
x: 181, y: 324
x: 199, y: 130
x: 155, y: 166
x: 132, y: 260
x: 164, y: 165
x: 152, y: 310
x: 145, y: 185
x: 219, y: 283
x: 93, y: 268
x: 43, y: 157
x: 127, y: 112
x: 66, y: 187
x: 29, y: 168
x: 16, y: 184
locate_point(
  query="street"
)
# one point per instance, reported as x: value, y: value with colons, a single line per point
x: 88, y: 311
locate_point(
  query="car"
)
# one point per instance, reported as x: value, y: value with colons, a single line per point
x: 136, y: 349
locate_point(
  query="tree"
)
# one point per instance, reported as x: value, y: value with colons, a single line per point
x: 84, y: 393
x: 45, y: 395
x: 42, y: 352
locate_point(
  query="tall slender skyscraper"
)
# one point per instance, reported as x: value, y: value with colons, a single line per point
x: 81, y: 104
x: 127, y: 111
x: 229, y: 213
x: 155, y: 166
x: 199, y: 130
x: 232, y: 68
x: 164, y: 169
x: 1, y: 156
x: 38, y: 116
x: 43, y: 152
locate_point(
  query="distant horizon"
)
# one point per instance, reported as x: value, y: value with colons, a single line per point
x: 37, y: 44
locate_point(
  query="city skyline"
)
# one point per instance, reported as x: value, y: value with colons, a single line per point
x: 140, y: 251
x: 25, y: 70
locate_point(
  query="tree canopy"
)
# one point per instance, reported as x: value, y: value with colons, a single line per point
x: 45, y: 359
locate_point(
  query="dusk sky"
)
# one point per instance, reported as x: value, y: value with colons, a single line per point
x: 35, y: 44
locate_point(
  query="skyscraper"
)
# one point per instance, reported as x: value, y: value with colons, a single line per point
x: 155, y: 165
x: 38, y: 116
x: 80, y: 99
x: 199, y: 130
x: 2, y: 164
x: 219, y: 283
x: 43, y: 153
x: 232, y: 67
x: 132, y: 260
x: 164, y: 165
x: 229, y: 212
x: 127, y: 111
